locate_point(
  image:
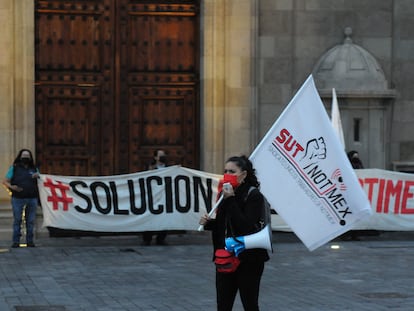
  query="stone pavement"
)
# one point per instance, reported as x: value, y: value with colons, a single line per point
x: 117, y: 273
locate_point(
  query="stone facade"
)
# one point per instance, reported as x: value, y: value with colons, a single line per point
x: 294, y: 34
x: 255, y: 55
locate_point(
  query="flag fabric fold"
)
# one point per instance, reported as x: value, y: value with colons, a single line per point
x: 305, y: 174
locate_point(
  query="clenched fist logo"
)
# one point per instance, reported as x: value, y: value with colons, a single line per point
x: 315, y: 149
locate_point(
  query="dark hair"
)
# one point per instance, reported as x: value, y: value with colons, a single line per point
x: 18, y: 159
x: 355, y: 161
x: 155, y: 153
x: 246, y: 165
x: 351, y: 154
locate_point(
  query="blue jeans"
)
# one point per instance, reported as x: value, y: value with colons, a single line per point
x: 29, y: 205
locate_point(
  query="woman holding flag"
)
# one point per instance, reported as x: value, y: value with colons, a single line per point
x: 237, y: 215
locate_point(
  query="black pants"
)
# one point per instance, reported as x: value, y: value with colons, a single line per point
x: 246, y: 280
x: 160, y: 236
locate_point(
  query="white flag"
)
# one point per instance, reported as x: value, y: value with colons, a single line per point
x: 305, y: 173
x: 336, y: 119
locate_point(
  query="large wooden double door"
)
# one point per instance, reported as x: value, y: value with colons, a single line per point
x: 115, y: 80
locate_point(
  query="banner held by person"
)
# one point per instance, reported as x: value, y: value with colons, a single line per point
x: 173, y: 198
x: 390, y: 194
x: 305, y: 174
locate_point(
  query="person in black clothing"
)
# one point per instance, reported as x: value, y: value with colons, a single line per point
x: 21, y: 180
x: 356, y: 162
x: 159, y: 161
x: 238, y: 215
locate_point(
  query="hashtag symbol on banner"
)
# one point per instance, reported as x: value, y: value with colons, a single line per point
x: 58, y: 194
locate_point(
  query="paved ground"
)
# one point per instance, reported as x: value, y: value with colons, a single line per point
x: 117, y: 273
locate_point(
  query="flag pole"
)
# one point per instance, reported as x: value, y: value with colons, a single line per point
x: 201, y: 228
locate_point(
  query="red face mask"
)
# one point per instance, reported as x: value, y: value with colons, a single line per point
x: 228, y: 178
x: 232, y: 179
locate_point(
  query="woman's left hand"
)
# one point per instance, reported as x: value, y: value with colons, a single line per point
x: 228, y: 192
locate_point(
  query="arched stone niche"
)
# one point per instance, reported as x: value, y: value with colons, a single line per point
x: 364, y: 99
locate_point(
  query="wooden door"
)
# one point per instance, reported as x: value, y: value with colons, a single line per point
x: 116, y: 80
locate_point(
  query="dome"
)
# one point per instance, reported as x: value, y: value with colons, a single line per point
x: 348, y: 67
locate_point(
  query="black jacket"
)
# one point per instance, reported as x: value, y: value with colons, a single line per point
x: 239, y: 216
x: 22, y: 177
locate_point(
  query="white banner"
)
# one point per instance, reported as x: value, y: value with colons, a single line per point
x: 305, y: 173
x: 105, y: 203
x: 173, y: 198
x: 391, y: 195
x: 392, y: 199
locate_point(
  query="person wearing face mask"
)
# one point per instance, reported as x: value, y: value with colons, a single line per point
x: 21, y: 180
x: 354, y: 159
x: 356, y: 162
x: 238, y: 215
x: 159, y: 161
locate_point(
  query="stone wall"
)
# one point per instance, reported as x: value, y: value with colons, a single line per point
x: 295, y: 33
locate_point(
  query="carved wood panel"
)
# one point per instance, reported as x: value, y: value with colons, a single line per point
x: 74, y: 87
x: 159, y: 62
x: 162, y: 116
x: 115, y: 80
x: 69, y: 128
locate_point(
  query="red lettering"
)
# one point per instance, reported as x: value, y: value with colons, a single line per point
x: 406, y: 196
x: 298, y: 148
x: 391, y: 190
x: 370, y: 182
x: 284, y: 133
x: 288, y: 142
x: 380, y: 195
x: 401, y: 191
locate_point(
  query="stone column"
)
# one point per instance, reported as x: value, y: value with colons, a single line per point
x: 17, y: 117
x: 227, y: 79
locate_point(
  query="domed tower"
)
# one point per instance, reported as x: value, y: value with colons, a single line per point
x: 364, y: 99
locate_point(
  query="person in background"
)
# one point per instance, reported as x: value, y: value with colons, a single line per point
x: 159, y: 161
x: 353, y: 157
x: 21, y: 180
x: 353, y: 235
x: 238, y: 215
